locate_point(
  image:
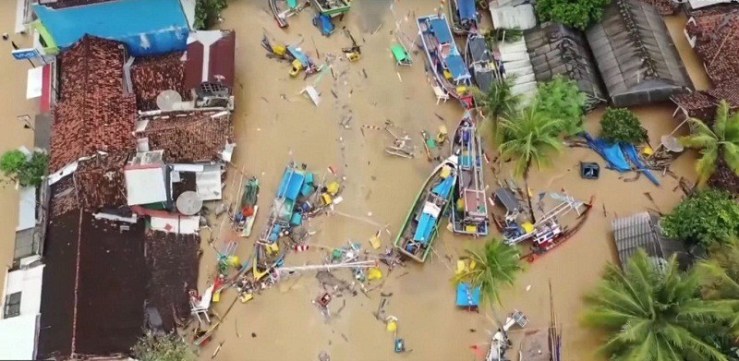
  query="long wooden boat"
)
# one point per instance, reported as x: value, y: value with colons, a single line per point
x: 421, y: 226
x: 551, y: 235
x: 249, y: 205
x: 469, y: 214
x: 481, y: 62
x: 332, y: 8
x: 464, y: 16
x: 445, y: 62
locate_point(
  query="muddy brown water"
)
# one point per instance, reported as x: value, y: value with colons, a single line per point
x: 275, y: 124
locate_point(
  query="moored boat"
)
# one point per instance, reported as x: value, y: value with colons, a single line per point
x: 464, y: 16
x: 420, y: 228
x: 469, y: 214
x: 283, y: 9
x: 446, y: 63
x: 481, y: 62
x: 551, y: 235
x: 249, y: 207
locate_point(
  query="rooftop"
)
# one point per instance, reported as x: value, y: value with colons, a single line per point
x: 635, y: 54
x: 152, y: 75
x: 210, y: 58
x: 641, y: 231
x: 716, y: 37
x: 187, y: 136
x: 59, y: 4
x: 99, y: 181
x: 93, y: 113
x: 664, y: 7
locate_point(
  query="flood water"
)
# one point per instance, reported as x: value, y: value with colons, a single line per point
x: 275, y: 125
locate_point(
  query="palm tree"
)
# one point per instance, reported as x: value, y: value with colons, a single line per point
x: 723, y: 139
x: 499, y: 102
x: 495, y: 266
x: 652, y: 312
x: 720, y: 276
x: 530, y: 138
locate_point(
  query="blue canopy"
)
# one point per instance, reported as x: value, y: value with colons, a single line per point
x: 456, y: 65
x: 466, y: 9
x: 425, y: 228
x: 299, y: 55
x: 468, y: 296
x: 291, y: 184
x: 442, y: 189
x: 441, y: 29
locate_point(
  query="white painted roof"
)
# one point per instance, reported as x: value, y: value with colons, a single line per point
x: 27, y: 209
x: 208, y: 183
x: 514, y: 17
x: 698, y: 4
x: 18, y: 337
x: 182, y: 225
x: 145, y: 185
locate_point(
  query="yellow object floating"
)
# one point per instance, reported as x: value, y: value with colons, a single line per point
x: 375, y: 242
x: 392, y: 326
x: 326, y: 198
x: 273, y: 248
x: 374, y: 274
x: 279, y: 50
x: 528, y: 227
x: 333, y: 188
x: 461, y: 267
x: 446, y: 171
x: 216, y: 297
x: 647, y: 150
x: 234, y: 261
x: 246, y: 297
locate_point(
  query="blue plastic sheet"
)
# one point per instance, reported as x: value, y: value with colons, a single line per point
x: 291, y: 184
x: 425, y: 228
x: 610, y: 152
x: 466, y: 9
x: 442, y: 189
x: 441, y: 29
x: 467, y: 296
x: 456, y: 65
x: 633, y: 155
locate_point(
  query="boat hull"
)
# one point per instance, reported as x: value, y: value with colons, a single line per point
x: 249, y: 224
x: 409, y: 227
x: 279, y: 15
x: 537, y: 253
x: 457, y: 27
x: 332, y: 12
x: 470, y: 186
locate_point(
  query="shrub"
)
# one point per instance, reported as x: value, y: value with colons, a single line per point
x: 153, y: 347
x: 27, y: 172
x: 579, y: 14
x: 207, y: 13
x: 621, y: 125
x: 705, y: 218
x: 561, y: 98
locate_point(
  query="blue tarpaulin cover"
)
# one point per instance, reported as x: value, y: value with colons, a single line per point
x: 610, y: 152
x: 633, y: 155
x: 456, y: 65
x: 468, y: 296
x: 466, y: 9
x: 299, y: 55
x: 291, y: 184
x: 425, y: 227
x: 441, y: 30
x: 442, y: 189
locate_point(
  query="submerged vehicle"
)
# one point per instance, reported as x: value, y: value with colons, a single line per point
x: 421, y: 226
x: 445, y: 61
x: 469, y: 214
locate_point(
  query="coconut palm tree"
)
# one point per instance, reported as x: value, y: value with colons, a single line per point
x: 498, y: 103
x: 720, y: 275
x: 651, y: 311
x: 530, y: 138
x: 723, y: 139
x: 493, y: 267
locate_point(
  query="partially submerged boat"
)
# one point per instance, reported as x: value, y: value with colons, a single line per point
x: 332, y: 8
x: 464, y: 16
x: 283, y: 9
x: 446, y: 63
x: 469, y: 214
x: 546, y: 233
x: 420, y: 228
x: 481, y: 62
x: 249, y: 207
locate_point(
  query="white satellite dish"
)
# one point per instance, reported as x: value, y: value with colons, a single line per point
x: 672, y: 144
x: 189, y: 203
x: 167, y: 99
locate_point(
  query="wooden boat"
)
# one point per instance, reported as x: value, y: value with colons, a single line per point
x: 469, y: 214
x: 332, y: 8
x: 445, y: 62
x: 249, y: 205
x: 283, y: 9
x: 481, y: 62
x: 464, y: 16
x: 421, y: 226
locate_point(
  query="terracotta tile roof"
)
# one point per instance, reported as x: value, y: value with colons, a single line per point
x: 702, y: 104
x: 63, y: 197
x: 664, y: 7
x: 717, y: 42
x: 188, y: 136
x: 218, y: 55
x: 100, y: 182
x: 152, y: 75
x: 93, y: 113
x: 728, y: 90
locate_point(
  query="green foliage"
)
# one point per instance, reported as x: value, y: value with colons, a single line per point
x: 497, y: 265
x: 498, y: 102
x: 27, y: 172
x: 579, y: 14
x: 722, y: 139
x: 705, y: 218
x: 207, y: 13
x: 652, y: 312
x: 530, y: 138
x: 621, y: 125
x: 162, y: 348
x: 561, y: 99
x: 508, y: 35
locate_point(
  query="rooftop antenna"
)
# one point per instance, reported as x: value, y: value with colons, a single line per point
x: 167, y: 99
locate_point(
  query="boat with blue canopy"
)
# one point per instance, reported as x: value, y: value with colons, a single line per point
x: 421, y: 226
x: 445, y: 61
x: 469, y: 214
x: 464, y: 16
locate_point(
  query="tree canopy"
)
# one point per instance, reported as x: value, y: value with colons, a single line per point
x: 622, y: 125
x: 651, y: 311
x: 499, y: 102
x: 496, y: 266
x: 530, y: 139
x: 705, y: 218
x: 723, y: 139
x: 579, y: 14
x: 207, y: 13
x: 170, y: 347
x: 17, y: 167
x: 561, y: 98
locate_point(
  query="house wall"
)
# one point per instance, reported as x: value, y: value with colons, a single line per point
x: 28, y: 282
x: 148, y: 27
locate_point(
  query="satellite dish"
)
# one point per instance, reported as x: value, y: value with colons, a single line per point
x: 672, y: 144
x: 167, y: 99
x: 189, y: 203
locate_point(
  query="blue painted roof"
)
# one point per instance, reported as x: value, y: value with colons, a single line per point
x: 425, y: 228
x: 457, y: 66
x: 441, y: 30
x: 466, y: 9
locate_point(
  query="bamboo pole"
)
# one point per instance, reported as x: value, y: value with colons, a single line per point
x: 326, y: 267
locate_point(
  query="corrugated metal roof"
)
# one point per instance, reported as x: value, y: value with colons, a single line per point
x: 513, y: 17
x: 641, y: 230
